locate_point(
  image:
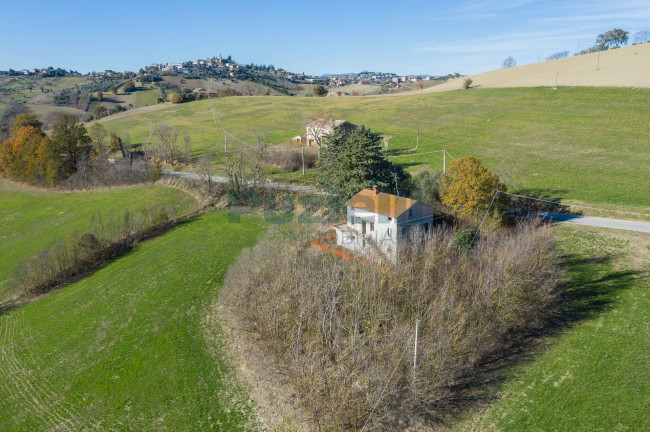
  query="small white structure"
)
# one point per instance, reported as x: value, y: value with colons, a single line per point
x: 317, y: 130
x: 378, y: 223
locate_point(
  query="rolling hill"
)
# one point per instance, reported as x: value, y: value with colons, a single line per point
x: 622, y: 67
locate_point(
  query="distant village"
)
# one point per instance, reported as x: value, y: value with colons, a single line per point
x: 227, y: 68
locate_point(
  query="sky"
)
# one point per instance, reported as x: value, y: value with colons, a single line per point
x: 404, y: 37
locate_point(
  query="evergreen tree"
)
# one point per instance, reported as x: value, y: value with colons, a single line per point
x: 353, y: 161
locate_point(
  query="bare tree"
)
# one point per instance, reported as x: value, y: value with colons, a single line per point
x: 467, y: 83
x: 317, y: 126
x: 166, y: 137
x: 206, y: 170
x: 642, y: 36
x: 187, y: 151
x: 509, y: 62
x: 99, y: 135
x: 421, y: 84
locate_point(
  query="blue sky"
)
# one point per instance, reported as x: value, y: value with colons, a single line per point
x: 405, y: 37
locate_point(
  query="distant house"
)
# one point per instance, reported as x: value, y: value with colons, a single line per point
x: 317, y: 130
x: 379, y: 224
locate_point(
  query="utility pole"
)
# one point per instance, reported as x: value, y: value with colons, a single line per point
x: 556, y: 75
x: 225, y: 141
x: 415, y: 351
x: 303, y: 160
x: 417, y: 139
x: 444, y: 161
x: 598, y: 62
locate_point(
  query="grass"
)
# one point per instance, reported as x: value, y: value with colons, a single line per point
x: 32, y: 220
x: 3, y: 108
x: 595, y: 375
x: 145, y: 96
x: 125, y: 348
x: 584, y: 145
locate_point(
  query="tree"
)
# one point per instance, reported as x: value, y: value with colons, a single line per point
x: 320, y: 90
x: 349, y: 163
x: 71, y: 144
x: 426, y: 188
x: 642, y: 36
x: 99, y: 112
x: 206, y: 170
x: 558, y: 55
x: 509, y: 62
x: 100, y: 96
x: 467, y: 83
x: 98, y: 134
x: 166, y: 137
x: 129, y: 86
x: 175, y: 98
x: 611, y: 39
x: 421, y: 84
x: 469, y: 188
x: 316, y: 126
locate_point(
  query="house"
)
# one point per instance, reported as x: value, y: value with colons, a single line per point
x: 317, y: 130
x: 380, y: 224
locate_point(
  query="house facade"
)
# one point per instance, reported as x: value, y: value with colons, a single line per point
x: 316, y: 131
x: 378, y: 224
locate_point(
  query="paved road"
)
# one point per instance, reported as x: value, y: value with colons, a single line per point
x: 269, y: 185
x: 628, y: 225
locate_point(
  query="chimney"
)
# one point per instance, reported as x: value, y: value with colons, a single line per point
x: 374, y: 188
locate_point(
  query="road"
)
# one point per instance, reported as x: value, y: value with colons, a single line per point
x: 269, y: 185
x: 628, y: 225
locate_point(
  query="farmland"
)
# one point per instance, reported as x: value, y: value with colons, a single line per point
x: 125, y: 348
x: 33, y: 219
x: 570, y: 143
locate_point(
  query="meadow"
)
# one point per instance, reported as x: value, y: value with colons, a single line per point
x: 592, y: 373
x: 31, y: 219
x: 583, y: 145
x: 127, y: 348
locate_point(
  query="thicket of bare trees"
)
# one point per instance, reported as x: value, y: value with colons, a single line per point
x: 107, y: 237
x: 339, y: 329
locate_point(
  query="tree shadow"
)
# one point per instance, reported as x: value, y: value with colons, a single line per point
x: 545, y: 200
x: 591, y: 289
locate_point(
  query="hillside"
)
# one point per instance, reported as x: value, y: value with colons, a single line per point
x: 622, y: 67
x: 577, y: 144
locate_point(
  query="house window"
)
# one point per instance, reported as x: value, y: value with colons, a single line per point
x: 426, y: 227
x: 387, y: 232
x: 390, y: 218
x: 410, y: 213
x: 372, y: 226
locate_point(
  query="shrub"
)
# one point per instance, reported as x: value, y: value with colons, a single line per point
x: 463, y: 239
x: 291, y: 159
x: 129, y: 86
x: 100, y: 112
x: 467, y: 83
x: 338, y: 329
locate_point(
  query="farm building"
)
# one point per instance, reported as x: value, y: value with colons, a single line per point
x: 317, y: 130
x: 378, y: 223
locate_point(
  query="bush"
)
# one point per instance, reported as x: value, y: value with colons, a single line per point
x: 467, y: 83
x: 129, y: 86
x: 291, y: 159
x: 338, y: 329
x: 100, y: 112
x: 463, y: 239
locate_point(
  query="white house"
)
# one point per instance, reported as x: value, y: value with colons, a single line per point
x: 317, y: 130
x: 380, y: 223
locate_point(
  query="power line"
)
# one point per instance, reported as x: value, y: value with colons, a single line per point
x: 381, y: 395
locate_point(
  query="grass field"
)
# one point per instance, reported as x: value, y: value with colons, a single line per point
x: 594, y: 375
x: 580, y: 144
x: 125, y: 348
x: 145, y: 96
x: 30, y: 221
x: 3, y: 108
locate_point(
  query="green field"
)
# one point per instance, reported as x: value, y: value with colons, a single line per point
x: 30, y: 221
x: 594, y: 375
x: 580, y: 144
x: 3, y: 108
x: 146, y: 96
x: 125, y: 348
